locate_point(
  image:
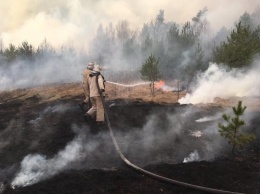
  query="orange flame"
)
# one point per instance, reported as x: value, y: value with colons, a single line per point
x: 159, y: 85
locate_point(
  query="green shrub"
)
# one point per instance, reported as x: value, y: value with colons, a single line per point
x: 231, y: 131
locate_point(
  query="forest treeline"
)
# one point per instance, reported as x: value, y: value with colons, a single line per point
x: 183, y: 50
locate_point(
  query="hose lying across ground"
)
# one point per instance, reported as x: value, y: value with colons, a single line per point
x: 161, y: 178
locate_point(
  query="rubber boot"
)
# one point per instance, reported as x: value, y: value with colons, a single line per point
x: 88, y: 118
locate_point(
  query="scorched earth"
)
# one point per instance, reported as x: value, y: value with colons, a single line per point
x: 46, y: 145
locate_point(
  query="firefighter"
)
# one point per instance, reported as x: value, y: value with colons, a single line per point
x: 96, y: 87
x: 85, y: 85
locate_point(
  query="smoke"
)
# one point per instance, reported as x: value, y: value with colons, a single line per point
x: 217, y: 81
x: 22, y: 74
x: 2, y: 188
x: 194, y: 156
x: 76, y: 21
x: 35, y: 168
x: 35, y: 21
x: 85, y: 150
x: 141, y: 146
x: 170, y: 131
x: 209, y: 118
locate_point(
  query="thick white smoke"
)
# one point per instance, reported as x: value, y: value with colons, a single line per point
x: 219, y: 82
x: 35, y: 168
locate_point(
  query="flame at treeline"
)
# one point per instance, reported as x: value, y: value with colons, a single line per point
x: 161, y: 85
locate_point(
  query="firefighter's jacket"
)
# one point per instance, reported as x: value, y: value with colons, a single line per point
x: 94, y: 79
x: 85, y: 83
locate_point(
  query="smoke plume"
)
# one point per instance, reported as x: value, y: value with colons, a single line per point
x: 217, y: 81
x: 75, y: 22
x: 36, y: 167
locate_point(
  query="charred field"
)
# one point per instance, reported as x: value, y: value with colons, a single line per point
x: 47, y: 146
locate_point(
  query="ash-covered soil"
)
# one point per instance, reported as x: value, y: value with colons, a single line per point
x: 48, y: 147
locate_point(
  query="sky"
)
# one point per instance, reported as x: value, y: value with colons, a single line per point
x: 75, y: 22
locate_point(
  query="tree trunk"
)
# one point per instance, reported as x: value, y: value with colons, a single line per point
x: 153, y: 88
x: 178, y: 94
x: 234, y: 145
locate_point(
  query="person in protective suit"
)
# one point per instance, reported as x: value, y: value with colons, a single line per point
x: 96, y: 87
x: 85, y: 85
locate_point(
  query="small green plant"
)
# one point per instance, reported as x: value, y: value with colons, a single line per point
x: 231, y: 131
x: 150, y: 71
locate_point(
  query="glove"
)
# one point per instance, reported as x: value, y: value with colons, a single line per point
x: 101, y: 91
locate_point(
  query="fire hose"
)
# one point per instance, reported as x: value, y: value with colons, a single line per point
x: 145, y: 172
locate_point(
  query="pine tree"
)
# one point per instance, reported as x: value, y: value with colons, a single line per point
x: 160, y: 17
x: 11, y: 53
x: 150, y: 71
x: 26, y: 51
x: 240, y: 47
x: 231, y: 131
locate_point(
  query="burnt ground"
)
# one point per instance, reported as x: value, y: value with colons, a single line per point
x: 48, y: 147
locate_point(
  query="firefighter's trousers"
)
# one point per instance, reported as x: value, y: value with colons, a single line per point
x: 97, y: 109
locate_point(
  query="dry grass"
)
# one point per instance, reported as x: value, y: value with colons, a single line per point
x: 45, y: 93
x: 63, y: 91
x: 141, y: 92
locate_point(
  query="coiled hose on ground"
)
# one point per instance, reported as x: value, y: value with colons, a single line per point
x: 145, y: 172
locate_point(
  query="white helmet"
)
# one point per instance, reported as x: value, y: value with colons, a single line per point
x: 97, y: 68
x: 91, y: 65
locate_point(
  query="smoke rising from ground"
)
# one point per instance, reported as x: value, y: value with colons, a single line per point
x: 171, y: 132
x: 142, y: 146
x: 219, y: 82
x: 194, y: 156
x: 35, y: 168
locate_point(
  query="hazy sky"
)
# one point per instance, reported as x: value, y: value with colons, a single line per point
x: 76, y: 21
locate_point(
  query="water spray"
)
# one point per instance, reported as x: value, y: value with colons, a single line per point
x: 128, y: 85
